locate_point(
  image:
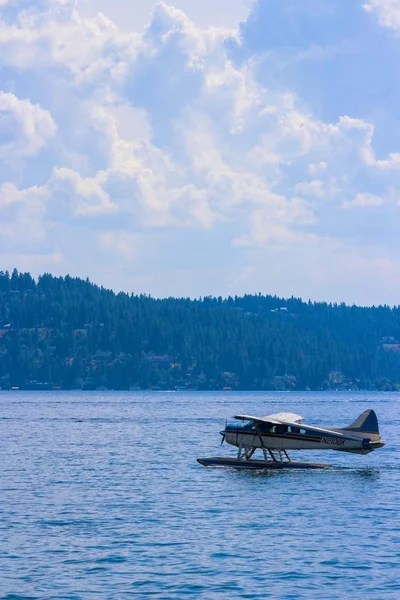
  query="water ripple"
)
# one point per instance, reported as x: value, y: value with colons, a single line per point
x: 102, y: 498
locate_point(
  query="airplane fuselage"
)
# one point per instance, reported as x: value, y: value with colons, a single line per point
x: 276, y: 434
x: 301, y: 437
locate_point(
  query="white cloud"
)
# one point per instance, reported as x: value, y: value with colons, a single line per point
x: 387, y: 12
x: 365, y: 200
x: 82, y: 196
x: 316, y: 168
x: 121, y: 242
x: 278, y: 223
x: 25, y: 128
x: 22, y: 215
x: 221, y: 13
x: 124, y: 135
x: 317, y: 188
x: 391, y: 162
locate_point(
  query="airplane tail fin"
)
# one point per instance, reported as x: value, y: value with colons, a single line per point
x: 367, y: 422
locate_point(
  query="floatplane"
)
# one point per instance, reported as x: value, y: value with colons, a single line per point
x: 276, y: 434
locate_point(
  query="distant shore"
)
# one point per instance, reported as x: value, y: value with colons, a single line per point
x: 67, y: 333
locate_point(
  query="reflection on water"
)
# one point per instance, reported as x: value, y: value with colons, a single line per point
x: 368, y: 473
x: 101, y: 497
x: 287, y: 476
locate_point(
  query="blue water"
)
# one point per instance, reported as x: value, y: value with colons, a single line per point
x: 101, y: 497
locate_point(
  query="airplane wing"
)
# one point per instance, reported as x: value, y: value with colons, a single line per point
x: 276, y: 419
x: 256, y: 419
x: 284, y: 417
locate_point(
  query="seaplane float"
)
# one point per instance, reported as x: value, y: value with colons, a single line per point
x: 276, y: 434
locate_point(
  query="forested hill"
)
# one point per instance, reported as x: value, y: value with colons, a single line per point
x: 70, y: 333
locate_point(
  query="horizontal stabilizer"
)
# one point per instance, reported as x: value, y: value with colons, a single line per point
x: 367, y: 422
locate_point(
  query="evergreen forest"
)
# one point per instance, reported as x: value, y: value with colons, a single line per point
x: 68, y: 333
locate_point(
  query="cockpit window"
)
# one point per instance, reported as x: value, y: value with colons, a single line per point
x: 250, y: 426
x: 279, y: 429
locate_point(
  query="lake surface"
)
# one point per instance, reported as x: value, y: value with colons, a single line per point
x: 101, y: 497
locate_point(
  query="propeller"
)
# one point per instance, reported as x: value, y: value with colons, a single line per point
x: 223, y: 432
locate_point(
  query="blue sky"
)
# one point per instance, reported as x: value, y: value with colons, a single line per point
x: 198, y: 147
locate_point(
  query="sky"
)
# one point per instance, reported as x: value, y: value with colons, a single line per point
x: 203, y: 147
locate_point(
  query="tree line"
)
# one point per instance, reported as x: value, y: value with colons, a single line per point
x: 70, y: 333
